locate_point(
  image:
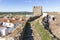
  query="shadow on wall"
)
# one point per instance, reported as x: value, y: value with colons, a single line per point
x: 33, y: 18
x: 28, y: 32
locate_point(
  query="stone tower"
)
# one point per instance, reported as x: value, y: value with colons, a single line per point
x: 37, y: 10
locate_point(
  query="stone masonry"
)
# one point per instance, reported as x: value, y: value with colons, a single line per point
x: 37, y: 10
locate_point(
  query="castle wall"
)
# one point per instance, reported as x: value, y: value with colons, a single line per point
x: 55, y: 25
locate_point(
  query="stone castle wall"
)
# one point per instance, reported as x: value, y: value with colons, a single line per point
x: 55, y: 25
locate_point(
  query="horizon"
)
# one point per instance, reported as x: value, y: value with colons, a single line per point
x: 27, y: 5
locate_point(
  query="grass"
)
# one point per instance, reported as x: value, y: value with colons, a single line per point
x: 42, y: 32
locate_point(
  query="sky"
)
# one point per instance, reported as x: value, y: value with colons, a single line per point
x: 27, y: 5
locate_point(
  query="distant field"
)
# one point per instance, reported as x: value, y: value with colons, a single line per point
x: 16, y: 13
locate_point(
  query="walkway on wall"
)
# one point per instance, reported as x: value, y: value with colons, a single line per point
x: 30, y: 33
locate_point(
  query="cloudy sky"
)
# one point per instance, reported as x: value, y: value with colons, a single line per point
x: 27, y: 5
